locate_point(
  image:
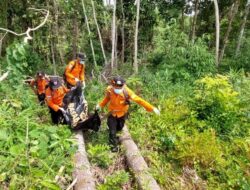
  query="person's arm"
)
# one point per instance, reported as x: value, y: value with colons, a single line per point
x: 32, y: 84
x: 105, y: 100
x: 50, y: 102
x: 140, y: 101
x: 69, y: 69
x: 82, y: 74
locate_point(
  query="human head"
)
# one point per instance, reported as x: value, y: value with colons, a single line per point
x: 40, y: 74
x: 81, y: 57
x: 55, y: 83
x: 118, y: 82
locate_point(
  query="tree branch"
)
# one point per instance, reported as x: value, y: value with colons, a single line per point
x: 4, y: 76
x: 27, y: 33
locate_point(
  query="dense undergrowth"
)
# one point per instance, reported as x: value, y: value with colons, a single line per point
x: 32, y: 149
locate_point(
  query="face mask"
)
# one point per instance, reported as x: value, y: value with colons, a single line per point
x: 82, y: 62
x: 117, y: 90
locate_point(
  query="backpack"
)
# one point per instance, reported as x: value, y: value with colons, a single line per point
x: 64, y: 75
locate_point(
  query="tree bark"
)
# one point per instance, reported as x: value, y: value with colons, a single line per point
x: 113, y: 36
x: 75, y: 36
x: 217, y: 21
x: 3, y: 22
x: 137, y: 163
x: 53, y: 57
x: 89, y: 32
x: 194, y: 21
x: 135, y: 65
x: 99, y: 33
x: 122, y: 33
x: 231, y: 16
x: 82, y: 172
x: 55, y: 2
x: 242, y: 28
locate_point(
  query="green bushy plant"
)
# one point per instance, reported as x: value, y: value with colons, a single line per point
x: 115, y: 181
x: 175, y: 54
x: 216, y: 102
x: 100, y: 155
x: 32, y: 150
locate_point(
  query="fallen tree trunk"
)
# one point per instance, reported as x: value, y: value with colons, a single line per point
x: 82, y: 172
x: 137, y: 163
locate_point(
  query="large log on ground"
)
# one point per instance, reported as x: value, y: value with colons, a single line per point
x: 137, y: 163
x: 82, y: 172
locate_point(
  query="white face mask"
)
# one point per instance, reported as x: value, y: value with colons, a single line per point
x: 82, y: 62
x: 118, y: 90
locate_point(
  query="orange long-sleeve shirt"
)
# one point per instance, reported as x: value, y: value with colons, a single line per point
x: 54, y: 98
x: 40, y: 84
x: 117, y: 102
x: 74, y: 70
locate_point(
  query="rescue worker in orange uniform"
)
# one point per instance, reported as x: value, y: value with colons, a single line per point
x: 75, y: 71
x: 39, y: 85
x: 118, y: 96
x: 55, y: 94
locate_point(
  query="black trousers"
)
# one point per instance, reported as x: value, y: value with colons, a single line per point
x: 57, y: 116
x: 41, y: 98
x: 115, y: 125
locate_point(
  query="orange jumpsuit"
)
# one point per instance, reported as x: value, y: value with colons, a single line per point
x: 40, y: 84
x: 54, y: 98
x: 74, y: 70
x: 117, y: 102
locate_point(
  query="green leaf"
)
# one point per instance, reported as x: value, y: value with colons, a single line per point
x: 50, y: 185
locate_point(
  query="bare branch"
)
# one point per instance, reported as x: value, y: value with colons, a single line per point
x: 72, y: 184
x: 4, y: 76
x: 27, y: 33
x: 3, y: 37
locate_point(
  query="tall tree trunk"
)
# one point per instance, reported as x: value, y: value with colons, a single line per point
x: 87, y: 23
x: 242, y: 28
x: 113, y: 36
x: 75, y: 36
x: 53, y: 57
x: 3, y: 22
x: 217, y: 20
x: 231, y: 16
x: 182, y: 20
x: 135, y: 65
x: 55, y: 3
x: 122, y: 33
x: 99, y: 33
x: 194, y: 21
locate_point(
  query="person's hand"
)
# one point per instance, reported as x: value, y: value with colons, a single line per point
x: 97, y: 107
x: 76, y: 79
x: 157, y: 112
x: 62, y: 110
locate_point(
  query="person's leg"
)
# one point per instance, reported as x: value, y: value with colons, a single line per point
x: 54, y: 116
x: 112, y: 124
x: 120, y: 123
x: 41, y: 98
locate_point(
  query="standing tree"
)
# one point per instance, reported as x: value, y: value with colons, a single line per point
x: 89, y: 32
x: 135, y: 65
x: 242, y: 28
x: 232, y: 12
x: 113, y: 36
x: 99, y: 33
x: 217, y: 20
x: 194, y: 20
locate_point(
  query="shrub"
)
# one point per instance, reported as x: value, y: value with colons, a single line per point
x: 216, y: 102
x: 174, y: 53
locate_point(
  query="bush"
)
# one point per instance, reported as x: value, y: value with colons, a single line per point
x: 216, y: 102
x: 115, y: 181
x: 175, y: 54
